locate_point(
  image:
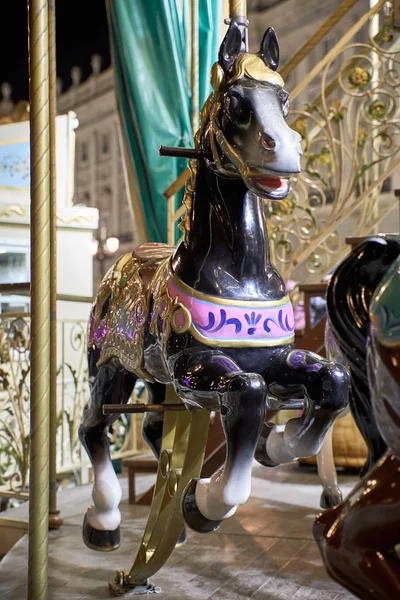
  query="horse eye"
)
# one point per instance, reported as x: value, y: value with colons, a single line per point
x: 267, y: 142
x: 233, y: 107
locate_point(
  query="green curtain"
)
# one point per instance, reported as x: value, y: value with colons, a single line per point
x: 149, y: 47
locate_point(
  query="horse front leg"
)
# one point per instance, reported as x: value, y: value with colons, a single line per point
x: 323, y: 386
x: 110, y: 384
x: 214, y: 381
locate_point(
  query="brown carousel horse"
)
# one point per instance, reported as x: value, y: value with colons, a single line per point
x: 358, y: 538
x: 213, y: 317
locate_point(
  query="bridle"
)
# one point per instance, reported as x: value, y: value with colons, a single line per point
x: 219, y: 144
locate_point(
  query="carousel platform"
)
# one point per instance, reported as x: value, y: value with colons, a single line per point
x: 265, y: 552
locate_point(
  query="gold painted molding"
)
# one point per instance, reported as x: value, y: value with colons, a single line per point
x: 15, y: 209
x: 77, y: 218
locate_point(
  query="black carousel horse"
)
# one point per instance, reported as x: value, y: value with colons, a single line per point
x: 348, y: 296
x: 358, y: 538
x: 213, y: 316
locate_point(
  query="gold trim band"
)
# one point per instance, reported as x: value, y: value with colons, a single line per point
x: 242, y: 343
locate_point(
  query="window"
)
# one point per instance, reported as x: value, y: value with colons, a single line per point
x: 84, y: 151
x: 105, y: 143
x: 14, y: 262
x: 126, y: 237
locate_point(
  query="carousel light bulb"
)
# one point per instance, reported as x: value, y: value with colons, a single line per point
x: 112, y: 245
x: 93, y: 247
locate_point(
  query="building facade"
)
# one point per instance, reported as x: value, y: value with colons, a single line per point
x: 99, y: 177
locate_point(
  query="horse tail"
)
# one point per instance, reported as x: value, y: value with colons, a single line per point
x: 349, y: 294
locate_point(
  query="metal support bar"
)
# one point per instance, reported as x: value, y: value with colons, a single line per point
x: 55, y: 521
x: 24, y: 289
x: 21, y: 289
x: 335, y: 50
x: 396, y: 14
x: 177, y: 184
x: 121, y: 409
x: 317, y: 37
x: 182, y: 152
x: 40, y: 299
x: 72, y: 298
x: 194, y: 67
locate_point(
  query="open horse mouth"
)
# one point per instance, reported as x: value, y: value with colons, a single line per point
x: 269, y: 186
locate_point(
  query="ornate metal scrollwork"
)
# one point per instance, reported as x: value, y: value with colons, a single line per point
x: 351, y: 142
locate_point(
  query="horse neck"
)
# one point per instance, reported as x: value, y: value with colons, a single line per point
x: 228, y: 238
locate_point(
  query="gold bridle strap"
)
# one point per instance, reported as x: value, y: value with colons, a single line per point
x: 217, y: 137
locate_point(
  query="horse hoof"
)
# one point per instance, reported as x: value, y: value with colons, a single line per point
x: 182, y: 539
x: 260, y: 453
x: 330, y: 500
x: 191, y: 513
x: 102, y: 541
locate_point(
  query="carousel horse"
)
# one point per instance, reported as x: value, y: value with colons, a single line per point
x: 212, y: 317
x: 347, y: 308
x: 358, y: 538
x: 345, y: 343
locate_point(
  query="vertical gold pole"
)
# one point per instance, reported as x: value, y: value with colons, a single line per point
x: 171, y: 221
x: 237, y: 8
x: 225, y: 15
x: 194, y: 71
x: 55, y: 520
x: 374, y: 199
x: 40, y: 299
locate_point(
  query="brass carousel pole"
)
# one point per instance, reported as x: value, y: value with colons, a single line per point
x: 237, y: 8
x: 55, y: 521
x: 194, y: 70
x: 40, y: 299
x: 238, y: 13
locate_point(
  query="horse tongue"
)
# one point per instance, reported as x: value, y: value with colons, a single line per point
x: 270, y: 182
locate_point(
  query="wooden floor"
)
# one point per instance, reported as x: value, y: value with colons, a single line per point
x: 264, y: 552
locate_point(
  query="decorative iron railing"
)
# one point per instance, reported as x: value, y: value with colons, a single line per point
x: 351, y: 143
x: 72, y: 394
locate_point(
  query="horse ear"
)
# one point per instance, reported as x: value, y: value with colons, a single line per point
x: 230, y: 47
x: 269, y: 51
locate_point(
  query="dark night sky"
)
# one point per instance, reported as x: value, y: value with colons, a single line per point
x: 81, y: 30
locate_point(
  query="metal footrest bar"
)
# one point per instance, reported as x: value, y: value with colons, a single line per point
x: 118, y: 409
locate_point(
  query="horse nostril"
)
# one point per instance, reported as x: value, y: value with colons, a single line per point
x: 267, y: 142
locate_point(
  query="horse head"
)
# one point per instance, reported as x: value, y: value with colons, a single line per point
x: 246, y: 134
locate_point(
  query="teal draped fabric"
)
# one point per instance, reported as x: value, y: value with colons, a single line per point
x: 149, y: 47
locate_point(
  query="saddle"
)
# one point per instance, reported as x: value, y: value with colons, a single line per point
x: 121, y: 308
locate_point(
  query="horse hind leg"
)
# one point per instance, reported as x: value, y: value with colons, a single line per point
x: 110, y: 384
x: 331, y: 495
x: 325, y: 391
